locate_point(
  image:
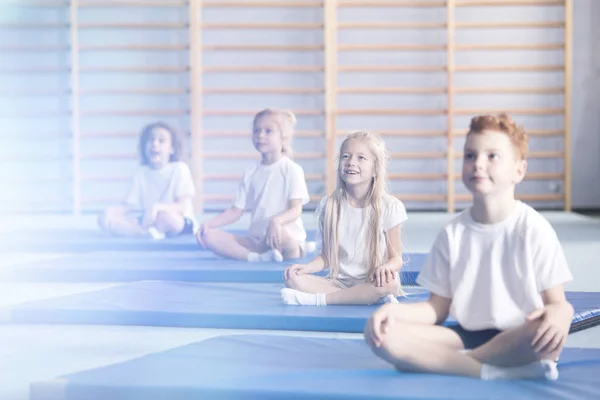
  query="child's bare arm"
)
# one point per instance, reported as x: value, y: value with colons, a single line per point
x: 227, y: 217
x: 293, y: 212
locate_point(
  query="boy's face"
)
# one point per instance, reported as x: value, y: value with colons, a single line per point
x: 159, y: 148
x: 490, y: 164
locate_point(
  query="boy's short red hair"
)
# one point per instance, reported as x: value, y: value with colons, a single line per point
x: 505, y: 124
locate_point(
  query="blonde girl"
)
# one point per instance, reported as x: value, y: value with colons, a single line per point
x: 273, y: 191
x: 360, y: 224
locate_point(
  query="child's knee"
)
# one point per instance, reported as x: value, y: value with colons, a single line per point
x: 294, y: 281
x: 108, y: 217
x: 392, y: 287
x: 169, y: 222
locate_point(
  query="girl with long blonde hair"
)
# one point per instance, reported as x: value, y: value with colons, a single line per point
x: 360, y: 225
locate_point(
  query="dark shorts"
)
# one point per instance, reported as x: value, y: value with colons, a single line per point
x: 188, y: 226
x: 474, y: 339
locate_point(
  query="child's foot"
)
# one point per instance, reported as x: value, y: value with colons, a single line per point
x: 270, y: 255
x: 543, y: 369
x: 390, y: 298
x: 156, y: 234
x: 310, y: 247
x: 298, y: 298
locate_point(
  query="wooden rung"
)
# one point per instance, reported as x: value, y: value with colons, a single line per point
x: 508, y: 24
x: 391, y: 68
x: 99, y: 113
x: 405, y: 133
x: 91, y: 178
x: 33, y: 70
x: 532, y: 176
x: 508, y: 68
x: 516, y: 90
x: 260, y: 47
x: 246, y: 155
x: 229, y: 197
x: 533, y: 154
x: 40, y: 3
x: 34, y: 114
x: 402, y: 90
x: 515, y: 46
x: 32, y: 25
x: 135, y: 25
x: 530, y: 132
x: 496, y: 3
x: 260, y: 25
x: 103, y: 134
x: 135, y: 47
x: 380, y: 111
x: 247, y: 134
x: 132, y: 91
x: 417, y: 177
x: 108, y: 156
x: 268, y: 4
x: 236, y: 177
x: 523, y: 197
x: 253, y: 112
x: 390, y: 3
x: 25, y: 49
x: 421, y: 197
x: 153, y: 70
x: 34, y: 92
x: 282, y: 90
x: 391, y: 25
x: 391, y: 47
x: 242, y: 69
x: 411, y: 133
x: 418, y: 155
x: 132, y: 3
x: 522, y: 111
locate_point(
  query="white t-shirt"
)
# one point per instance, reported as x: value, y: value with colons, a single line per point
x: 353, y: 231
x: 494, y: 273
x: 266, y: 191
x: 165, y: 185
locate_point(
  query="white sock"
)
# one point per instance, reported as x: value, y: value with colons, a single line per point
x: 156, y: 234
x: 271, y: 255
x: 310, y: 247
x: 544, y: 369
x: 390, y: 298
x: 298, y: 298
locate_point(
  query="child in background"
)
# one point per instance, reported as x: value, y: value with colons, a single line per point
x: 162, y: 190
x: 498, y: 268
x: 274, y: 191
x: 360, y: 224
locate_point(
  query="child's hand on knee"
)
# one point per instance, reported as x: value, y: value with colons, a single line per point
x: 377, y: 326
x: 383, y: 275
x: 552, y: 332
x: 296, y: 269
x: 200, y: 235
x: 273, y: 239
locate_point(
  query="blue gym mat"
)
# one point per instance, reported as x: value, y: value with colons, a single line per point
x: 220, y: 305
x: 76, y: 240
x: 279, y: 367
x: 185, y: 266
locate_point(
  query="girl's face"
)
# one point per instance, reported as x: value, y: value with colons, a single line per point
x: 159, y: 148
x: 266, y: 135
x: 357, y: 164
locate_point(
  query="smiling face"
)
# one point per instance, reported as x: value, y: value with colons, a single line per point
x: 357, y: 164
x: 490, y: 164
x: 159, y: 148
